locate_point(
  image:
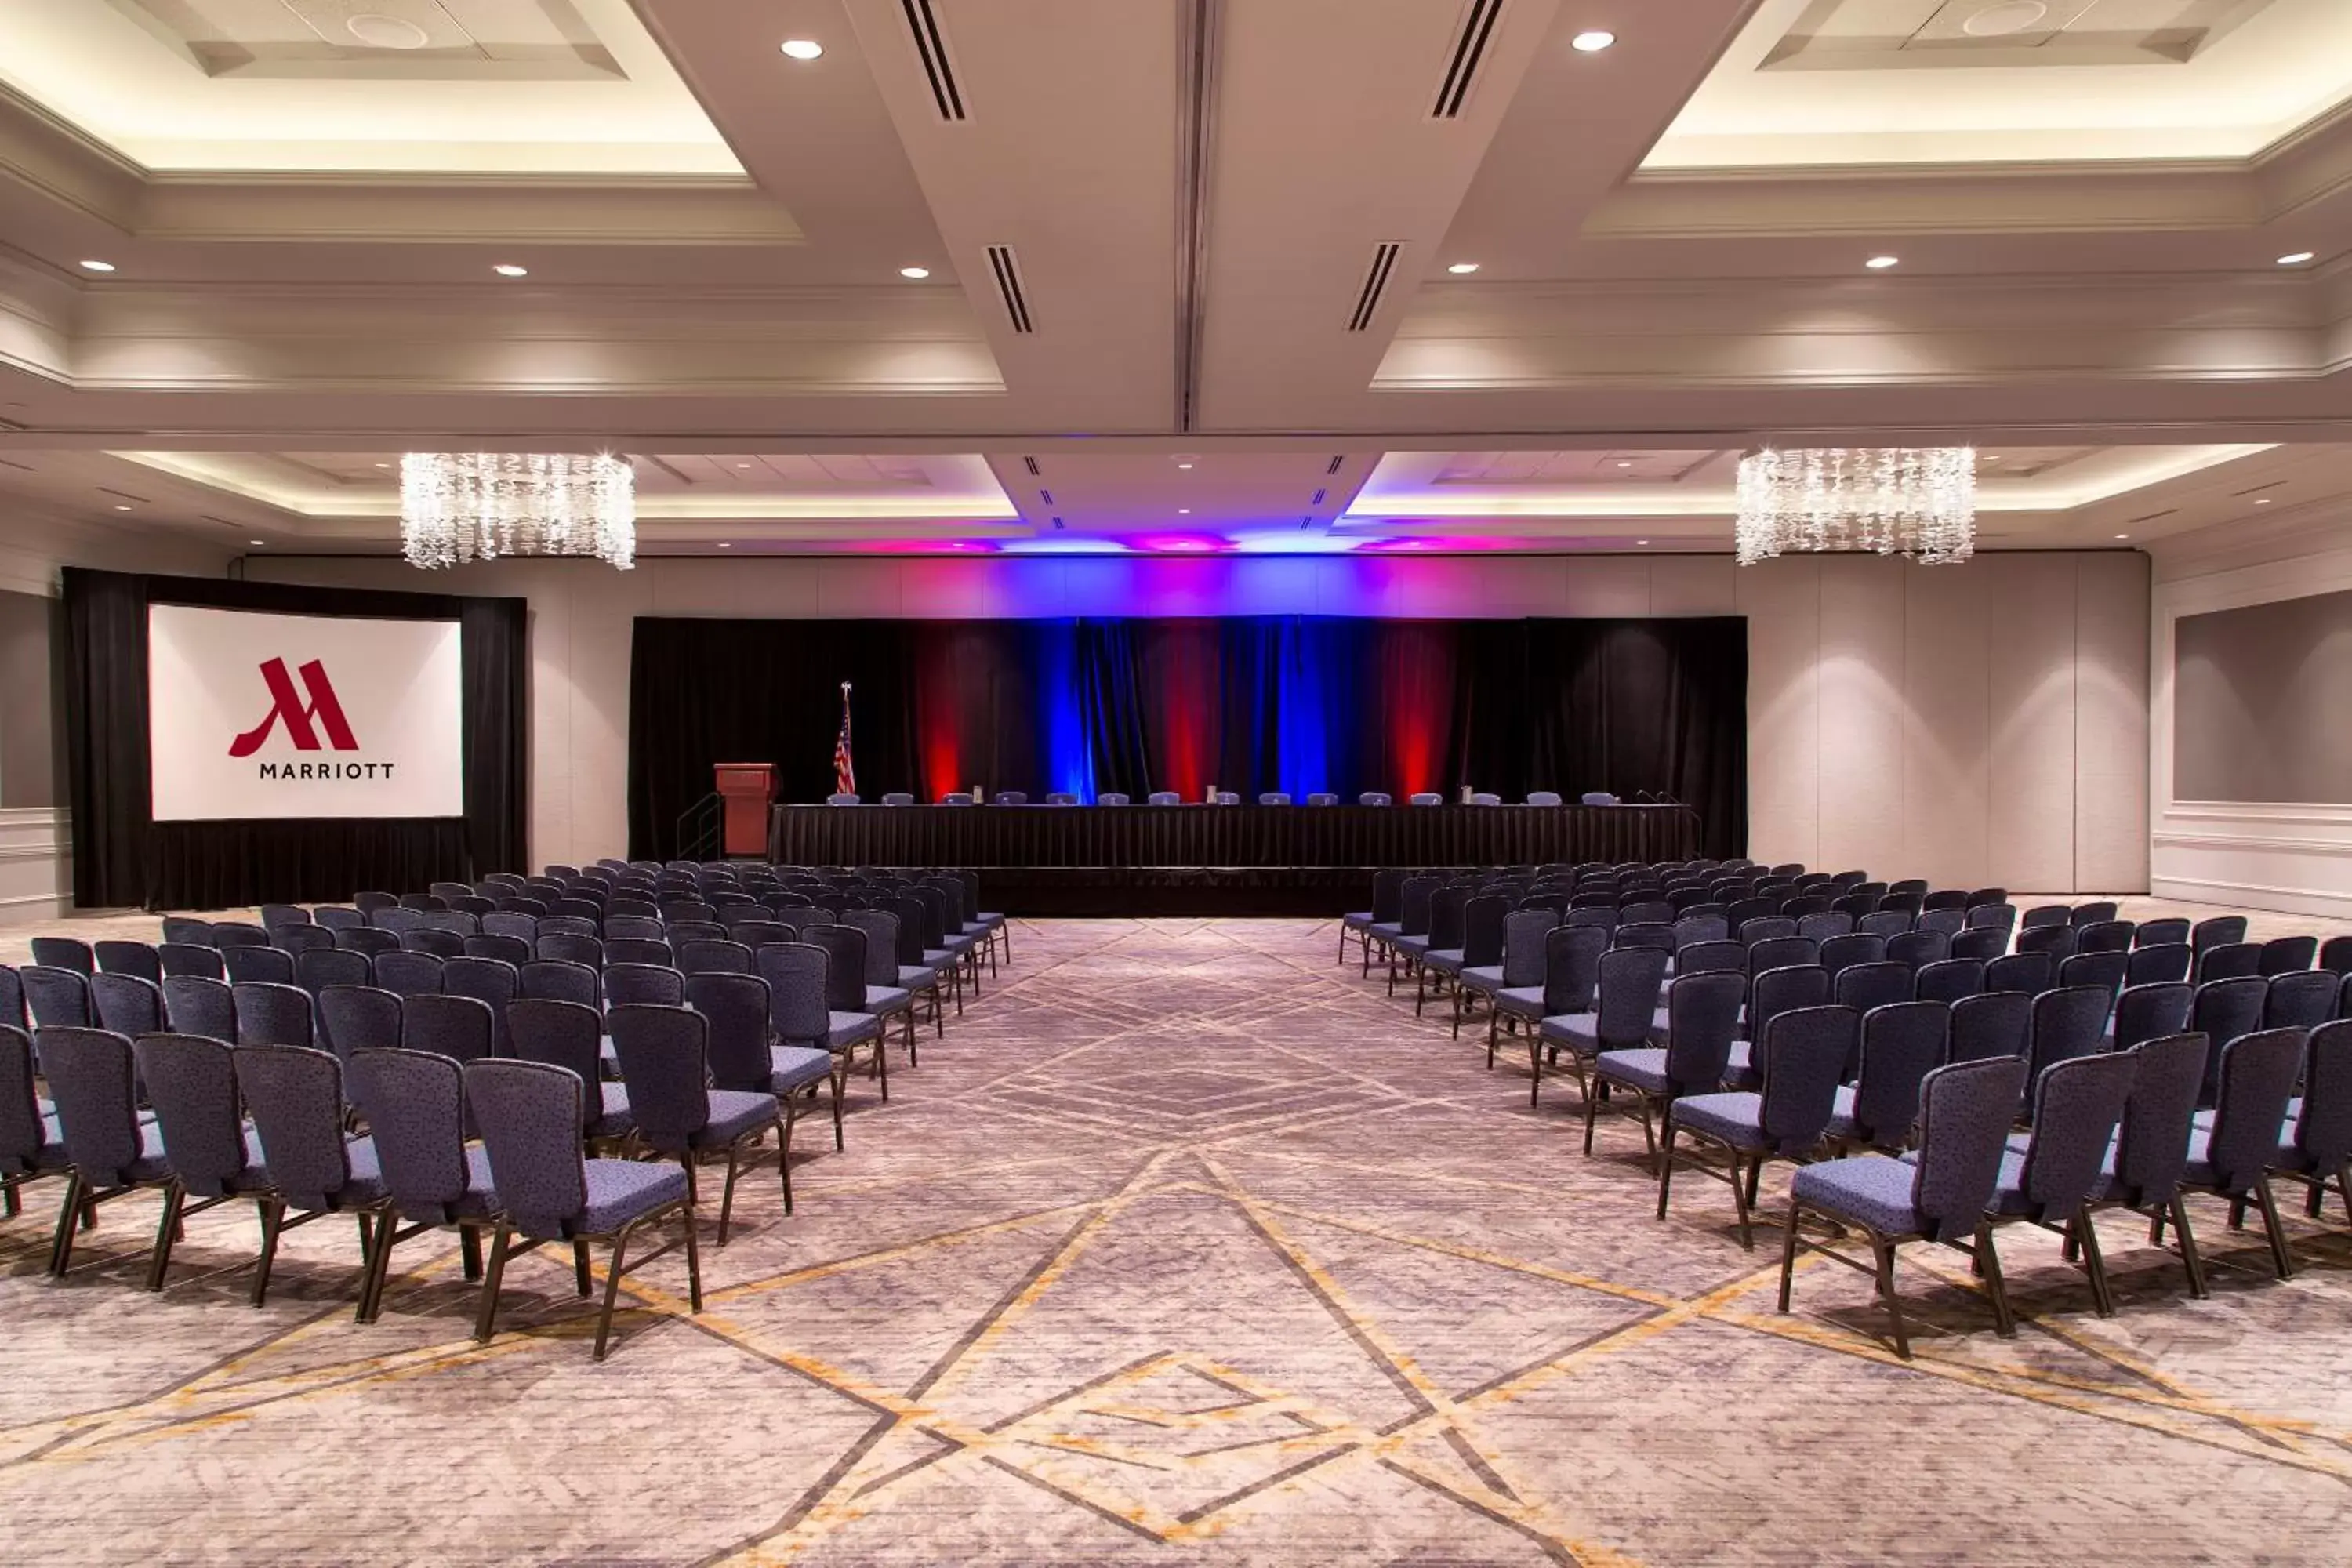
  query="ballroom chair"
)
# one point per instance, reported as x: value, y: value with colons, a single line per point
x: 2104, y: 936
x: 2222, y: 1010
x: 1800, y: 1056
x: 2151, y: 1012
x: 2230, y: 1157
x: 2217, y: 932
x: 2315, y: 1144
x: 368, y: 940
x: 1948, y: 980
x: 1983, y: 943
x: 511, y: 950
x: 139, y: 958
x: 2335, y: 955
x: 407, y: 974
x: 416, y: 1108
x: 1571, y: 972
x: 1965, y: 1112
x: 1626, y: 994
x: 2107, y: 969
x: 322, y: 967
x: 2299, y: 999
x: 189, y: 958
x: 1772, y: 989
x: 2286, y: 954
x: 297, y: 939
x: 1900, y: 1044
x: 65, y: 952
x: 2066, y: 1023
x: 2030, y: 973
x: 110, y: 1149
x: 2078, y: 1103
x: 571, y: 1036
x: 494, y: 983
x: 212, y: 1151
x: 1863, y: 986
x: 1917, y: 949
x: 258, y: 965
x: 187, y: 929
x: 193, y: 1005
x: 1991, y: 1024
x: 644, y: 984
x: 359, y: 1017
x: 294, y: 1095
x: 1703, y: 1014
x: 850, y: 1021
x: 131, y: 1006
x: 530, y: 1114
x: 1826, y: 926
x: 568, y: 948
x: 2163, y: 961
x: 2228, y: 960
x: 1946, y: 922
x: 887, y: 995
x: 268, y: 1014
x: 801, y: 1016
x: 1388, y: 886
x: 462, y: 1028
x: 2152, y: 932
x: 30, y: 1146
x: 686, y: 1102
x: 1479, y: 943
x: 2151, y: 1149
x: 55, y: 998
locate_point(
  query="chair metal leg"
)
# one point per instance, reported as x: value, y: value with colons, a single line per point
x: 579, y: 1280
x: 1788, y: 1254
x: 166, y: 1232
x: 1592, y: 1109
x: 1649, y: 1134
x: 271, y: 1212
x: 613, y: 1286
x: 2004, y: 1321
x: 839, y: 1071
x: 2344, y: 1186
x: 387, y: 1232
x: 914, y: 1037
x: 727, y: 1195
x: 786, y: 1117
x: 1494, y: 1031
x: 1535, y: 1068
x: 1665, y: 1168
x: 882, y: 1060
x: 1741, y: 1201
x: 2281, y: 1259
x: 61, y: 1248
x: 485, y: 1319
x: 1884, y: 1251
x: 693, y: 1268
x: 2102, y: 1297
x: 2190, y: 1261
x: 470, y: 1247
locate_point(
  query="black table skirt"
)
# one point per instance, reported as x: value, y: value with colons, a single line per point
x: 1198, y: 859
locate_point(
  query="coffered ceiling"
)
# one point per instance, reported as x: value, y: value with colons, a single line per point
x: 1049, y: 274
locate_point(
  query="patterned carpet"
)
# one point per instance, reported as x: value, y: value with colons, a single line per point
x: 1185, y: 1245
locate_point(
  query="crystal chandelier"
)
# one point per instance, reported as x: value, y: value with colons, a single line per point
x: 1919, y: 502
x: 477, y: 506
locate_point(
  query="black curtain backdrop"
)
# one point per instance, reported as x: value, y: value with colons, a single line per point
x: 1250, y: 704
x: 123, y: 856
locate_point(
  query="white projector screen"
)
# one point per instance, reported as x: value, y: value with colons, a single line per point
x: 261, y: 716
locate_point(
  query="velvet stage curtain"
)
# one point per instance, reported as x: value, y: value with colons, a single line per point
x: 122, y: 857
x: 1295, y: 703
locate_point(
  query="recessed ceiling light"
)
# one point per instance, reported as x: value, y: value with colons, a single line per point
x: 2262, y: 501
x: 1881, y: 263
x: 1625, y: 462
x: 2292, y: 259
x: 2122, y: 536
x: 383, y: 464
x: 1591, y: 43
x: 1183, y: 465
x: 1640, y: 541
x: 122, y: 506
x: 742, y: 465
x: 725, y: 545
x: 914, y: 272
x: 1463, y: 269
x: 256, y: 541
x: 802, y: 48
x: 509, y: 269
x: 1183, y: 512
x: 94, y: 264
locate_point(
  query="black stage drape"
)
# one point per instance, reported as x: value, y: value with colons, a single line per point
x: 123, y: 856
x: 1296, y: 703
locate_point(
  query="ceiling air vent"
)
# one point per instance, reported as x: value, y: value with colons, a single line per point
x: 1333, y: 465
x: 1034, y: 468
x: 1045, y: 496
x: 1469, y: 54
x: 1376, y: 284
x: 1319, y: 497
x: 1008, y: 283
x: 933, y: 48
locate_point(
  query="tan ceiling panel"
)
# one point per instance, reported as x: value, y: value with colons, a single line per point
x: 407, y: 40
x: 1878, y: 34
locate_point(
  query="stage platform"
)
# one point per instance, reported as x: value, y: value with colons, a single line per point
x: 1214, y: 860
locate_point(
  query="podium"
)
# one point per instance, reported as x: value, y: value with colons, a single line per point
x: 745, y: 789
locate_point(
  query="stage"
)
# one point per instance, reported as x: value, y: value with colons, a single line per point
x: 1224, y: 860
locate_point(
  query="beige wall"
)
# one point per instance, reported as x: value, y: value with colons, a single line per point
x: 1880, y: 693
x: 2279, y: 854
x: 35, y: 830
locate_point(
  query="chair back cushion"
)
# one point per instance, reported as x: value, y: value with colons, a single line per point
x: 529, y: 1114
x: 1965, y: 1112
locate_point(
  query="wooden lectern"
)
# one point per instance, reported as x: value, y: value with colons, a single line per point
x: 746, y: 788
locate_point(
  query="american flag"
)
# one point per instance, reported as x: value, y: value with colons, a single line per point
x: 845, y: 770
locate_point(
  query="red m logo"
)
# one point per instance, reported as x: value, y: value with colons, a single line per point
x: 287, y: 703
